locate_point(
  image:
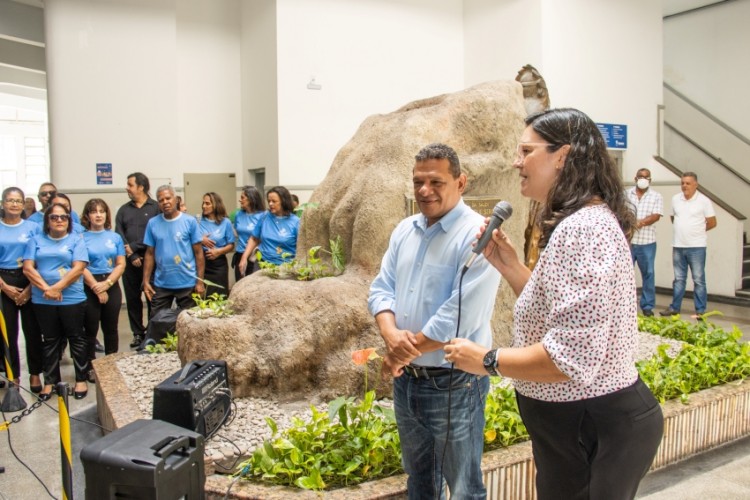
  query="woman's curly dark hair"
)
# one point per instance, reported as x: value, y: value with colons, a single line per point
x: 588, y: 173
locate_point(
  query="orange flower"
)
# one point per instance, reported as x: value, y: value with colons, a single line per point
x: 362, y: 356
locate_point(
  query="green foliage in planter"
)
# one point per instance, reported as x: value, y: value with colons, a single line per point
x: 312, y: 267
x: 167, y: 344
x: 215, y: 305
x: 503, y: 425
x: 710, y: 357
x: 355, y: 441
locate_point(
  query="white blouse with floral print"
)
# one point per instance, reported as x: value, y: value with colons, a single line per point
x: 580, y: 302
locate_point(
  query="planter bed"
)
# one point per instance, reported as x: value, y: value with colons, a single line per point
x: 712, y: 417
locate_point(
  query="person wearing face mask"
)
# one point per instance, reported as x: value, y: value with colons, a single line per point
x: 648, y: 207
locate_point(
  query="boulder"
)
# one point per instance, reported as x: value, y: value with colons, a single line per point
x: 293, y: 339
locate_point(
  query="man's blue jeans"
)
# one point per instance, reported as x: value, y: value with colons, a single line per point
x: 644, y: 256
x: 695, y: 259
x: 422, y: 415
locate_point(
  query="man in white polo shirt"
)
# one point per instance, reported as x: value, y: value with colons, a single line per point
x: 648, y: 206
x: 693, y: 216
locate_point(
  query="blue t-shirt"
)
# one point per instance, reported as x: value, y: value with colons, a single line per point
x: 244, y: 224
x: 54, y: 258
x: 13, y: 241
x: 277, y: 235
x: 173, y: 242
x: 220, y: 232
x: 104, y: 247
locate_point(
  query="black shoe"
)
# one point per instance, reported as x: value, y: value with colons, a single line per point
x: 46, y: 397
x: 669, y: 312
x: 2, y: 384
x: 648, y: 312
x: 137, y: 340
x: 98, y: 347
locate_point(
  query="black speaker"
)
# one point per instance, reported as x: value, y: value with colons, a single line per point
x: 146, y: 459
x: 196, y: 398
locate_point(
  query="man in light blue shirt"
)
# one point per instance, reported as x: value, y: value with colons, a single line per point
x: 415, y: 301
x: 174, y: 254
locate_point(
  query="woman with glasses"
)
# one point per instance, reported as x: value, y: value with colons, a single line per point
x: 276, y: 235
x: 252, y: 211
x: 106, y: 265
x: 54, y: 261
x: 15, y: 232
x: 64, y: 200
x: 218, y: 241
x: 594, y: 425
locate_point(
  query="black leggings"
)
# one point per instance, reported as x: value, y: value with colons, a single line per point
x: 31, y: 332
x: 594, y: 448
x: 252, y: 266
x: 107, y: 314
x: 58, y: 324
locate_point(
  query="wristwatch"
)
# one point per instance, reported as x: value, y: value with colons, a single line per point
x: 490, y: 362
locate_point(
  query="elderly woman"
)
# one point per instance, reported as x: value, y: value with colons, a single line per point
x: 594, y: 425
x: 218, y: 241
x: 252, y: 211
x: 106, y: 265
x: 53, y: 262
x: 276, y: 235
x: 15, y: 287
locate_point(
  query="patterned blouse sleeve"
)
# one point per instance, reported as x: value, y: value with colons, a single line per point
x: 577, y: 282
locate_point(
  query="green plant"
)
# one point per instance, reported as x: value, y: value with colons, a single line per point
x: 313, y: 267
x: 167, y: 344
x: 215, y: 305
x: 711, y: 356
x: 503, y: 425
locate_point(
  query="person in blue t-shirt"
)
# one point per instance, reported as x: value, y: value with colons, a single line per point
x: 64, y: 200
x: 15, y: 233
x: 106, y: 265
x: 53, y: 262
x: 276, y: 236
x: 252, y: 211
x: 218, y: 241
x: 174, y: 254
x: 47, y: 192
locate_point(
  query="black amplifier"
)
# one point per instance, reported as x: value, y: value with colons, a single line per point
x: 196, y: 398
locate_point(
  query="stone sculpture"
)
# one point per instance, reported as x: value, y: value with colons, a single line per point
x: 291, y: 339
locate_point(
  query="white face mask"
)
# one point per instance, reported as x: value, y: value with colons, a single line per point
x: 642, y: 183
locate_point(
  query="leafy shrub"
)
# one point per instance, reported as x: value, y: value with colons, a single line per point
x: 313, y: 267
x: 167, y: 344
x: 215, y: 305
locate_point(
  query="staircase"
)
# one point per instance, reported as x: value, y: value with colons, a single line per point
x: 696, y: 140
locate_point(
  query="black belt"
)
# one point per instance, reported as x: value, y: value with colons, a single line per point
x: 426, y: 371
x: 14, y: 272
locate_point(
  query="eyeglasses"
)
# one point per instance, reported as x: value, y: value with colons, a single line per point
x: 523, y: 149
x: 643, y: 177
x: 14, y: 201
x: 44, y: 194
x: 59, y: 217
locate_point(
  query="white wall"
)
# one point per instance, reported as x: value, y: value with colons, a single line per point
x: 370, y: 57
x: 706, y: 58
x: 147, y: 85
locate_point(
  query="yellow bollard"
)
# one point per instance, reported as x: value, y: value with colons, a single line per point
x: 66, y: 454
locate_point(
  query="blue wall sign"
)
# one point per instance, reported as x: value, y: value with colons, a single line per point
x: 616, y: 136
x: 104, y: 173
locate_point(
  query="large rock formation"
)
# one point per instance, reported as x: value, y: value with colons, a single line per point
x: 292, y: 339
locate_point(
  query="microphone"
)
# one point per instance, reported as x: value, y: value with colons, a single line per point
x: 500, y: 214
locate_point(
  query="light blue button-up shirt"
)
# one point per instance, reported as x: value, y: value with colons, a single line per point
x: 419, y: 281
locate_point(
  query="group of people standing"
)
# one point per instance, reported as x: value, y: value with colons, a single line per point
x: 60, y: 273
x: 692, y: 216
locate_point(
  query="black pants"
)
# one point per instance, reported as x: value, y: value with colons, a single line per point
x: 59, y: 324
x: 252, y: 266
x: 593, y: 448
x: 164, y: 297
x: 217, y: 271
x: 132, y: 283
x: 105, y: 314
x: 31, y: 331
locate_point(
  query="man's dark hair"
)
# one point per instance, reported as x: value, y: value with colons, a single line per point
x: 690, y: 174
x: 439, y: 151
x: 141, y: 180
